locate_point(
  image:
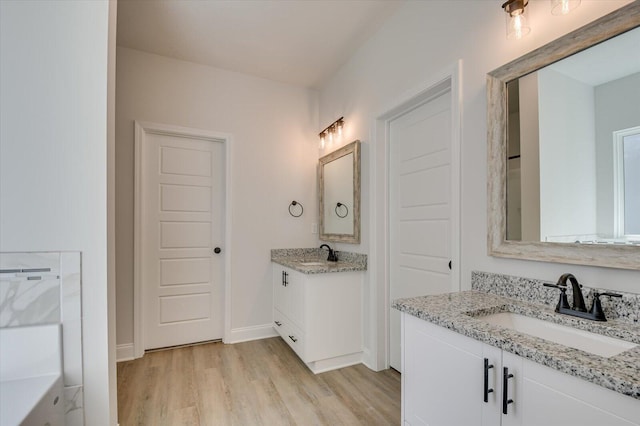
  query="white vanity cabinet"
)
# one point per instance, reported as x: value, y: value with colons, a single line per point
x: 443, y: 383
x: 319, y: 316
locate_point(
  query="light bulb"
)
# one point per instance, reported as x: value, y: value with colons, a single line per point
x: 322, y: 138
x: 563, y: 7
x: 517, y: 26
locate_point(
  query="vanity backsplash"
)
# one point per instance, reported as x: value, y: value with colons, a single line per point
x: 626, y: 308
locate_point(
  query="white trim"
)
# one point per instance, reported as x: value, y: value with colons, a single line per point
x: 449, y: 78
x: 124, y: 352
x: 255, y: 332
x: 141, y: 128
x: 324, y: 365
x: 227, y: 237
x: 618, y: 179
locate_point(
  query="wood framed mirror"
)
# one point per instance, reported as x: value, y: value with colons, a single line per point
x: 543, y: 228
x: 339, y: 194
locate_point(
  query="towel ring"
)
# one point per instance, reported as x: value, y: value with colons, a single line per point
x: 295, y: 203
x: 346, y: 208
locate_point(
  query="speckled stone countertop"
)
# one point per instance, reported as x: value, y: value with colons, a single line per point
x: 459, y: 312
x: 294, y: 259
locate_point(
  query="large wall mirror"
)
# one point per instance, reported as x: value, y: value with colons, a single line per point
x: 564, y: 148
x: 339, y: 194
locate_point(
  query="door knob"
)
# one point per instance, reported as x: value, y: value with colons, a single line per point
x: 217, y: 250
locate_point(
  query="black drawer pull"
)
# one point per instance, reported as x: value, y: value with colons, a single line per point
x: 487, y: 391
x: 505, y: 389
x: 293, y: 338
x: 278, y: 323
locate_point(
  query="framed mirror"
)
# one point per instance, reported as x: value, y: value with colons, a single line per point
x: 339, y: 194
x: 563, y: 127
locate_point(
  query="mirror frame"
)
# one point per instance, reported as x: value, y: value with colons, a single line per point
x: 618, y: 256
x: 353, y: 147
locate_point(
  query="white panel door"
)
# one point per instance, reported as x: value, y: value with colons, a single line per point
x: 182, y: 205
x: 419, y: 207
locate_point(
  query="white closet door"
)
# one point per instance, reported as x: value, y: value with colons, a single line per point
x: 182, y: 224
x: 419, y: 207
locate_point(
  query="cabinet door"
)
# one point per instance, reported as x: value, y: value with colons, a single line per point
x: 442, y: 379
x: 294, y: 296
x: 279, y: 288
x: 551, y: 398
x: 511, y: 403
x: 287, y: 293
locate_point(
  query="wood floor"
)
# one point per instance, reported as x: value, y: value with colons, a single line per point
x: 254, y: 383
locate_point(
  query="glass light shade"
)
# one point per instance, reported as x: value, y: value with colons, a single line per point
x: 517, y: 24
x: 562, y: 7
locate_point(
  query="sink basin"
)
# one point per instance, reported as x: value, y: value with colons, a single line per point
x: 578, y: 339
x: 312, y: 263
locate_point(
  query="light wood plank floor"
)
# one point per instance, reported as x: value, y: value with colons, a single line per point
x: 254, y: 383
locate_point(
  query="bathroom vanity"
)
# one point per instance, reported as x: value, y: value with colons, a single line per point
x: 317, y: 306
x: 462, y: 366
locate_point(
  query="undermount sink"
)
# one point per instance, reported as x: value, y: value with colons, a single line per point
x: 312, y: 263
x: 596, y: 344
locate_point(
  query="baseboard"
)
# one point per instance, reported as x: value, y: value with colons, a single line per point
x: 367, y: 359
x: 124, y: 352
x: 329, y: 364
x: 256, y: 332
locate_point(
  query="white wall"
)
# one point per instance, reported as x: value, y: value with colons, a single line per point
x: 567, y: 156
x: 274, y: 156
x: 53, y: 157
x: 419, y: 41
x: 617, y: 108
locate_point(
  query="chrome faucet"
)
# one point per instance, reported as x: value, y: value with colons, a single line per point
x: 578, y: 309
x: 333, y: 255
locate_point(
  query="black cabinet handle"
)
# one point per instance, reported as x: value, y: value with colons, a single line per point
x: 505, y: 389
x: 278, y: 323
x: 293, y: 338
x: 282, y: 277
x: 487, y: 391
x: 286, y: 279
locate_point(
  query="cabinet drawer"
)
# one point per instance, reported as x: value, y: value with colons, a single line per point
x: 280, y: 322
x: 289, y: 332
x: 295, y: 339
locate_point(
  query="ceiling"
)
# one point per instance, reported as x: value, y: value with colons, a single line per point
x: 300, y: 42
x: 604, y: 62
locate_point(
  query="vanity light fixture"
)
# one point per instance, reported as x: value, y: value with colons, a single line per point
x: 517, y: 25
x: 563, y: 7
x: 331, y: 130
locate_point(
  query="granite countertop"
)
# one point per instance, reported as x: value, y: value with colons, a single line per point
x: 295, y: 259
x: 459, y: 312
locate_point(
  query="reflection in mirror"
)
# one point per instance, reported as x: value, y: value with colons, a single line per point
x: 339, y: 194
x: 338, y: 189
x: 573, y: 148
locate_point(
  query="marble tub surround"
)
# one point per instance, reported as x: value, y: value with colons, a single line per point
x: 294, y: 259
x: 624, y: 309
x: 460, y: 311
x: 55, y: 299
x: 29, y: 289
